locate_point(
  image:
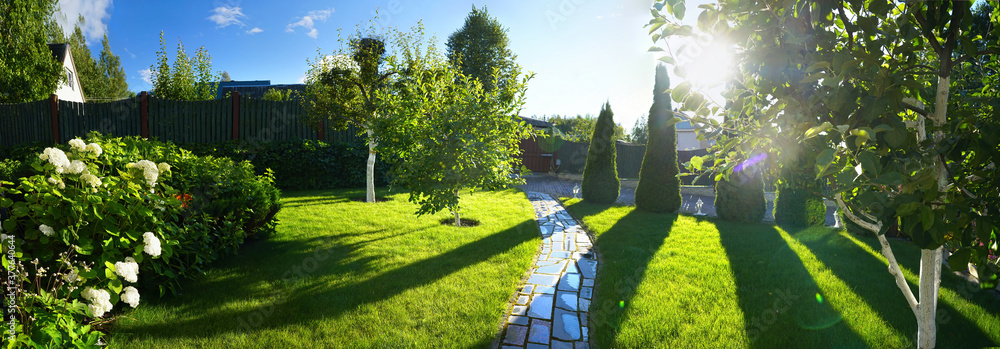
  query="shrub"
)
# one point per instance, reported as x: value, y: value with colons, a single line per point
x: 600, y: 175
x: 94, y: 217
x: 798, y: 207
x: 302, y: 164
x: 741, y: 198
x: 659, y: 188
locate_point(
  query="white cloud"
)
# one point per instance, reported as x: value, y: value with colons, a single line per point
x: 302, y: 79
x: 255, y: 30
x: 95, y: 13
x: 129, y: 52
x: 146, y: 75
x: 309, y: 20
x: 226, y: 16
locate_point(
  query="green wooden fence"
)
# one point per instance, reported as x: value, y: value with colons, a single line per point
x: 25, y: 123
x: 118, y: 118
x: 163, y: 119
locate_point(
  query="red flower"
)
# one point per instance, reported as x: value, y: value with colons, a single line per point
x: 184, y: 198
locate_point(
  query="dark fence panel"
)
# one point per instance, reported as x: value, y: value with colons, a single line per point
x: 25, y: 123
x: 573, y: 158
x: 118, y: 118
x: 190, y: 121
x: 629, y: 160
x: 265, y: 121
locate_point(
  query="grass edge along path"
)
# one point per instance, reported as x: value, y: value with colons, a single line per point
x: 341, y: 273
x: 671, y: 280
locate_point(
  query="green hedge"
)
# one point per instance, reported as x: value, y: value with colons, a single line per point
x: 741, y: 199
x: 302, y: 164
x: 798, y: 207
x: 659, y: 188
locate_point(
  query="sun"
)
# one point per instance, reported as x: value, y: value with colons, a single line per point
x: 707, y: 63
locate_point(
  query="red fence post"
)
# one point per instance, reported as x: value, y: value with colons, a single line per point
x: 54, y: 109
x: 144, y: 113
x: 236, y: 115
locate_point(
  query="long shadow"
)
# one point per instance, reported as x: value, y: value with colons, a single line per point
x: 626, y: 250
x: 780, y: 300
x: 867, y: 276
x: 289, y: 303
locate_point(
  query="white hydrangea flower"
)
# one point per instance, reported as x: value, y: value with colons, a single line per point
x: 78, y: 144
x: 130, y: 295
x: 56, y: 157
x: 47, y: 230
x: 3, y: 236
x: 152, y: 243
x: 90, y: 179
x: 53, y: 181
x: 163, y: 167
x: 72, y: 277
x: 342, y: 62
x: 129, y: 269
x: 95, y: 148
x: 76, y: 167
x: 149, y: 170
x: 100, y: 301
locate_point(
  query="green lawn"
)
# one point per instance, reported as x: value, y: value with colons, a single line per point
x: 345, y: 274
x: 669, y: 281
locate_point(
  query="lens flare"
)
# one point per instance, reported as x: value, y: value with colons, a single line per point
x: 750, y: 162
x: 819, y: 298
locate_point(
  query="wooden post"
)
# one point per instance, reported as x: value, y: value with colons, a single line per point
x: 144, y: 113
x: 54, y: 109
x: 236, y: 115
x: 322, y: 127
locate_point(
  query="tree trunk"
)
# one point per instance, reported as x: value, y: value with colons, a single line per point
x: 370, y: 170
x: 930, y: 260
x: 458, y: 220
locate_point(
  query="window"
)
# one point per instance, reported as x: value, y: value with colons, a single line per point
x: 69, y: 74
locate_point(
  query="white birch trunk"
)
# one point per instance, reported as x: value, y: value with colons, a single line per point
x: 370, y: 170
x: 458, y: 220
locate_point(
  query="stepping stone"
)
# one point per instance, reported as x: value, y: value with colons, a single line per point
x: 537, y: 346
x: 569, y: 282
x: 582, y: 238
x: 588, y: 268
x: 561, y: 345
x: 522, y: 300
x: 584, y: 304
x: 518, y: 310
x: 583, y: 321
x: 545, y: 289
x: 571, y: 268
x: 518, y: 320
x: 527, y: 289
x: 546, y: 229
x: 566, y: 300
x: 588, y: 282
x: 586, y: 292
x: 515, y: 335
x: 552, y: 269
x: 542, y: 279
x: 565, y: 326
x: 558, y: 238
x: 560, y: 254
x: 582, y: 345
x: 541, y: 307
x: 540, y: 332
x: 545, y: 263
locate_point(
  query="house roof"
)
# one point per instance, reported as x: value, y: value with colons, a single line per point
x: 685, y: 124
x: 536, y: 122
x: 59, y: 51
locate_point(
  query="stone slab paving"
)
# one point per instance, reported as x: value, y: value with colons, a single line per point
x: 556, y: 295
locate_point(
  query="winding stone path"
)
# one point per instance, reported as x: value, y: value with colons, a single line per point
x: 551, y: 307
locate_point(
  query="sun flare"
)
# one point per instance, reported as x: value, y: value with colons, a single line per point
x: 707, y: 63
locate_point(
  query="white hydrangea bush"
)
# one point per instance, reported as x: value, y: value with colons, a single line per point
x: 105, y: 225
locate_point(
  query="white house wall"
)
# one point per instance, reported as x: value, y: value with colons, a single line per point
x: 70, y: 90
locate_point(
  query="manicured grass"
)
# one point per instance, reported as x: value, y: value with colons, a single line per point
x: 345, y: 274
x: 669, y: 281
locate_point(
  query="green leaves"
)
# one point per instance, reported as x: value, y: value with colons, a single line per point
x: 697, y: 162
x: 816, y: 130
x: 680, y: 92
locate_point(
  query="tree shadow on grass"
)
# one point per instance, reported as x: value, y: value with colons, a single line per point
x: 777, y: 294
x: 276, y: 276
x: 867, y: 276
x: 626, y: 250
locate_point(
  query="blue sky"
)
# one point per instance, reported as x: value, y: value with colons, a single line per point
x: 582, y: 51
